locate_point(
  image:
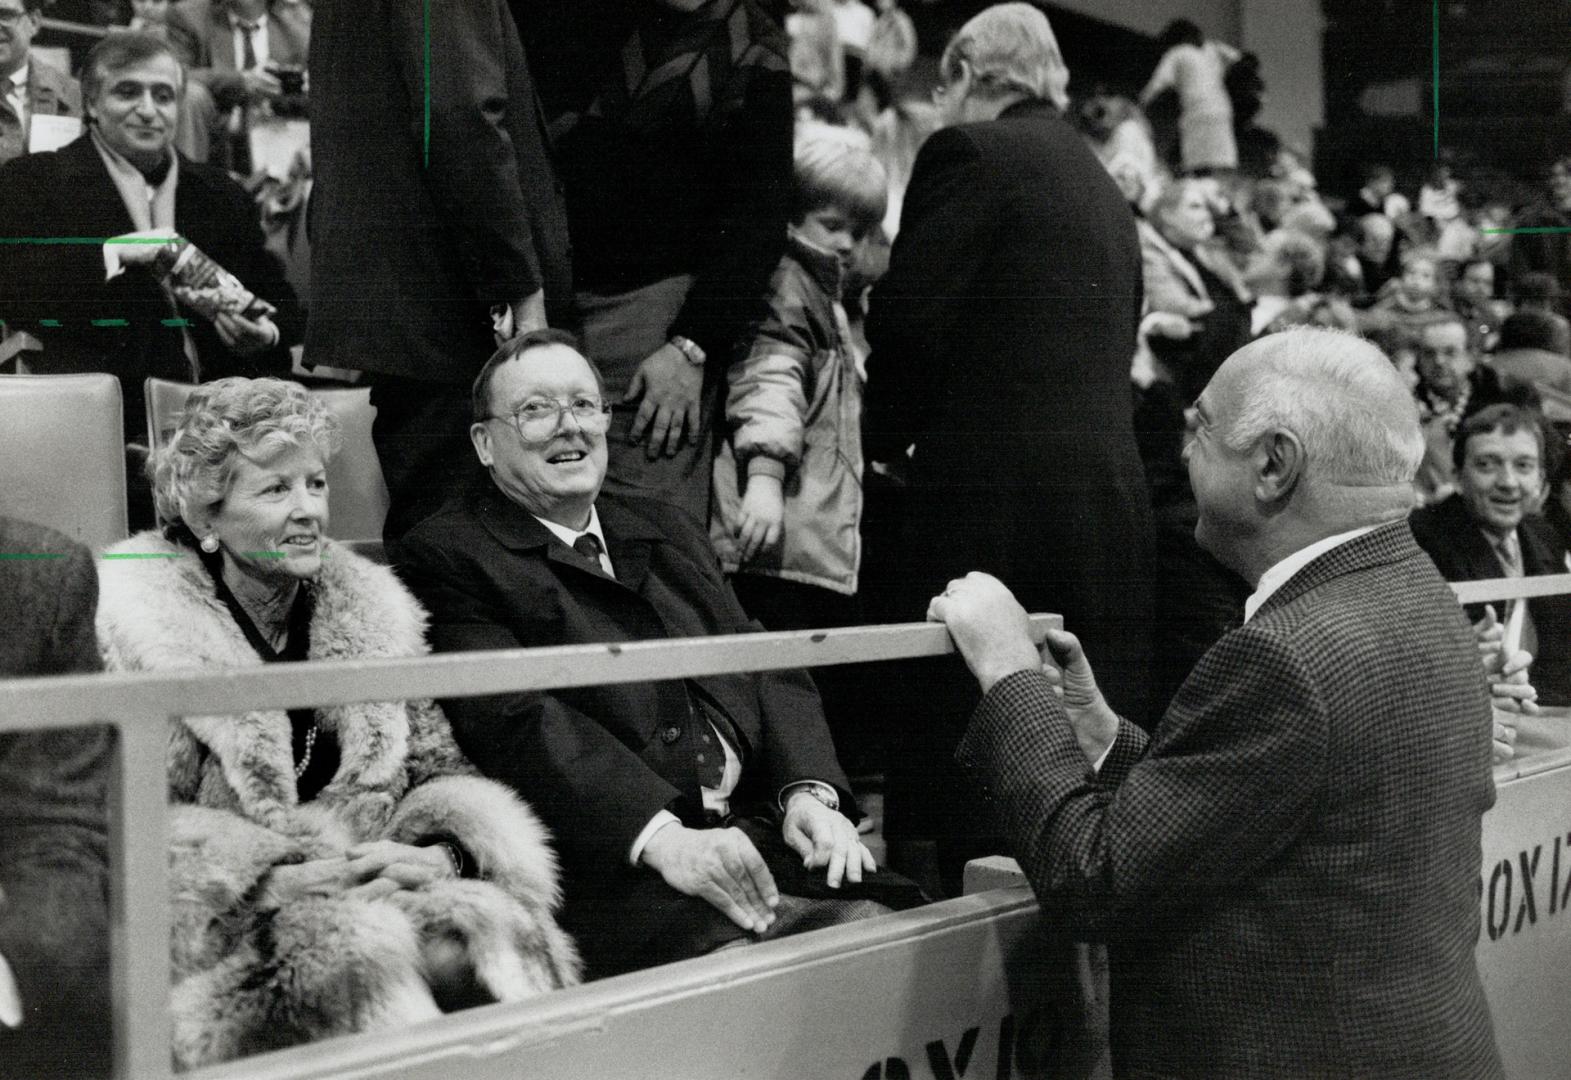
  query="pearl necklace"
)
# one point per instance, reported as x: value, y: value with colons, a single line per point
x: 305, y: 759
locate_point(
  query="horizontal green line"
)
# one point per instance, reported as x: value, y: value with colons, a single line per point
x: 1536, y: 230
x: 91, y: 240
x: 32, y: 555
x: 265, y: 554
x: 175, y: 322
x: 111, y: 322
x: 143, y: 555
x: 48, y: 322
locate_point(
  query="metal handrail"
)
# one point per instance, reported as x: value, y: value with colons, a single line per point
x: 140, y: 705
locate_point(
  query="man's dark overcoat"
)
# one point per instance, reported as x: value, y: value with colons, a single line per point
x: 56, y: 290
x: 598, y: 762
x: 434, y: 194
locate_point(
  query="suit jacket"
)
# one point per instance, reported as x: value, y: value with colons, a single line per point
x: 598, y: 762
x: 56, y: 291
x: 1287, y: 873
x: 206, y: 25
x: 409, y: 249
x: 1001, y: 338
x: 50, y: 92
x: 1461, y: 552
x: 54, y: 877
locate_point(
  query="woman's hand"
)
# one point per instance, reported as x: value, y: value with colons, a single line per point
x: 405, y: 864
x: 369, y: 870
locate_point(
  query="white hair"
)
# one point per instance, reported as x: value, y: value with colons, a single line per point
x: 1341, y: 396
x: 1010, y: 48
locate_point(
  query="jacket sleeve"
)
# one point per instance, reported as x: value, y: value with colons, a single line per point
x: 473, y: 168
x: 1226, y: 787
x: 945, y: 234
x: 591, y: 789
x: 766, y: 406
x: 746, y: 230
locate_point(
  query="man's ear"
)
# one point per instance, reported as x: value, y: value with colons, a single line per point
x: 1279, y: 466
x: 480, y: 436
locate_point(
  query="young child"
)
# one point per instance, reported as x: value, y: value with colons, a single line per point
x: 1416, y: 298
x: 787, y: 505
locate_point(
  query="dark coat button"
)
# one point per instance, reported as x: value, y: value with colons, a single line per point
x: 670, y: 734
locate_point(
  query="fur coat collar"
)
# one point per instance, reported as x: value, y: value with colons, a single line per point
x: 162, y: 614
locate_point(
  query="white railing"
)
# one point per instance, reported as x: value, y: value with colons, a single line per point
x: 139, y: 706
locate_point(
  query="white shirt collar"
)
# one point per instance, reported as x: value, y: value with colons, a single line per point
x: 1280, y: 574
x: 567, y: 536
x: 19, y: 76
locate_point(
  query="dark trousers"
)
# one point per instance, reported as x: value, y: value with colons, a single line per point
x: 421, y: 433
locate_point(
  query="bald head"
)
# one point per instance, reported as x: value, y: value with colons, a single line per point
x: 1338, y: 394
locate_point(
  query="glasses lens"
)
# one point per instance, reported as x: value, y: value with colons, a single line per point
x: 538, y: 420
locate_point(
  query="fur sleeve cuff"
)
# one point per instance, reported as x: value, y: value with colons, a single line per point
x: 499, y: 833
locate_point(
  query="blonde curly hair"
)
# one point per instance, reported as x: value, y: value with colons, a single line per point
x: 227, y: 418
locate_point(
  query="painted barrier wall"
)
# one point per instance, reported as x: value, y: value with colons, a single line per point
x: 1524, y: 948
x: 950, y: 991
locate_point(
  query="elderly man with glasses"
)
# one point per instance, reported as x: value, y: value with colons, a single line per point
x: 689, y: 813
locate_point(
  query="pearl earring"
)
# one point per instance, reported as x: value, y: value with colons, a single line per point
x: 210, y: 544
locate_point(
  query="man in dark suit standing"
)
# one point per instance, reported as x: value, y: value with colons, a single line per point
x: 1489, y: 529
x: 1286, y: 871
x: 54, y: 877
x: 1001, y: 343
x: 688, y: 813
x: 436, y: 220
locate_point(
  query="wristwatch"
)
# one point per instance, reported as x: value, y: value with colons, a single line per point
x: 822, y: 792
x: 690, y: 349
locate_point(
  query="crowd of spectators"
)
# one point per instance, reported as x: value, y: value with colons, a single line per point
x: 710, y: 238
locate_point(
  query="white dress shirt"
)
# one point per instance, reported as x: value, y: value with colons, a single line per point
x: 259, y: 41
x: 1280, y: 574
x: 16, y: 96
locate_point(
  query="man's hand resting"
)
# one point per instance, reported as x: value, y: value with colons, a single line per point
x: 825, y: 837
x: 718, y: 865
x: 670, y: 388
x: 993, y: 633
x: 989, y: 626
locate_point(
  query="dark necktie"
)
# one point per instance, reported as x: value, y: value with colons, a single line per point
x: 588, y: 545
x: 248, y: 44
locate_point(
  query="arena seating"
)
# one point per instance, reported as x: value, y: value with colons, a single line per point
x: 61, y: 437
x: 969, y: 986
x: 354, y: 477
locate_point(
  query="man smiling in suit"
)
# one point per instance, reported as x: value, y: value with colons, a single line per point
x: 690, y: 813
x: 1286, y: 870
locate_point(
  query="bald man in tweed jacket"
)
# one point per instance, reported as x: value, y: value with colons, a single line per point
x: 1285, y: 872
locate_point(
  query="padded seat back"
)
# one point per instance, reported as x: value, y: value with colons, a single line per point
x: 357, y: 495
x: 62, y: 454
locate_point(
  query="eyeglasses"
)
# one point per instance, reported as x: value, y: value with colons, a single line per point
x: 10, y: 17
x: 537, y: 419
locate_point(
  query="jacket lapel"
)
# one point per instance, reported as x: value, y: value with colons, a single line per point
x: 631, y: 541
x: 518, y: 530
x: 1388, y: 544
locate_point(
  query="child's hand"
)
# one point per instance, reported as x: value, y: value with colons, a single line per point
x: 763, y: 509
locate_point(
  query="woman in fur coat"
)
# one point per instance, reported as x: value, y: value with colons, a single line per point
x: 334, y: 870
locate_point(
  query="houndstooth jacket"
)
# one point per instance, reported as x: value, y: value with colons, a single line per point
x: 1286, y: 874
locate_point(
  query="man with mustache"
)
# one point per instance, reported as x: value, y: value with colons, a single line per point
x: 689, y: 813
